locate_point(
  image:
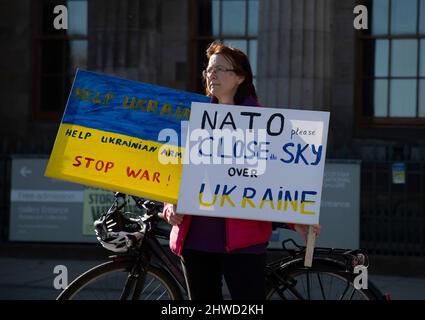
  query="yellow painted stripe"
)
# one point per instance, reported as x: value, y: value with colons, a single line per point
x: 117, y: 160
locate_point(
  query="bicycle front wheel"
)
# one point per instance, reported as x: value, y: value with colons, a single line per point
x: 108, y: 280
x: 325, y: 281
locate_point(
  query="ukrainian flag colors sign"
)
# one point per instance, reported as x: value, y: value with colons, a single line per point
x: 111, y: 136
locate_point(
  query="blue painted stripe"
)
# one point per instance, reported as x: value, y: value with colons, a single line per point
x: 86, y: 105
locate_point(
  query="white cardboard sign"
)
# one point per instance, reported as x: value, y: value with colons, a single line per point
x: 254, y: 163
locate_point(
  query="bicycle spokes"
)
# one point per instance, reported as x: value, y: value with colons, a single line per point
x: 317, y: 285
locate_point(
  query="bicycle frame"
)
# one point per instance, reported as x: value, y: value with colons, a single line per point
x: 142, y: 257
x: 167, y: 262
x: 150, y: 252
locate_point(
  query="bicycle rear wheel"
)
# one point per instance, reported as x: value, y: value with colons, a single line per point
x: 107, y: 282
x: 324, y: 281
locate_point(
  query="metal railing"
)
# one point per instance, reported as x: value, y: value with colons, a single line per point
x: 392, y: 215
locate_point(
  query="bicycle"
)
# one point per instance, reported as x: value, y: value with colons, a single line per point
x: 143, y: 269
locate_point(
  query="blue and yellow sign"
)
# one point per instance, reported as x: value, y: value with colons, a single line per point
x: 110, y: 137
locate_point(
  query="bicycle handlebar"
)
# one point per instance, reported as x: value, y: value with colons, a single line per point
x: 151, y: 207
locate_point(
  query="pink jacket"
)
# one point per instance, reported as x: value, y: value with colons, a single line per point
x: 239, y: 233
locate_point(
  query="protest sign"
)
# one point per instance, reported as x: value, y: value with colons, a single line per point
x: 254, y: 163
x: 111, y: 136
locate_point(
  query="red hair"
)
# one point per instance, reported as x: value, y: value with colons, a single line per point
x: 241, y: 66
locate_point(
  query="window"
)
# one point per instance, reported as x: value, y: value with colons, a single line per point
x: 393, y: 62
x: 235, y: 22
x: 58, y: 53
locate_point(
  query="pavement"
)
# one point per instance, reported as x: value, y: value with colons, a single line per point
x: 30, y: 276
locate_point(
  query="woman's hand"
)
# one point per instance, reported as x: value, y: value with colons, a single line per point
x: 302, y: 229
x: 173, y: 217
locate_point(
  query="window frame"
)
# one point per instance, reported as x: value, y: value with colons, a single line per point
x: 37, y: 39
x: 195, y: 38
x: 361, y: 37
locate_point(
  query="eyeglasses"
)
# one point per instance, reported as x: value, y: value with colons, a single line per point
x: 219, y: 69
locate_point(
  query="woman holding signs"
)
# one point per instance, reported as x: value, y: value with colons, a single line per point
x: 212, y: 247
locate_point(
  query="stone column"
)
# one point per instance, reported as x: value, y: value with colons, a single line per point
x: 294, y: 53
x: 124, y: 38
